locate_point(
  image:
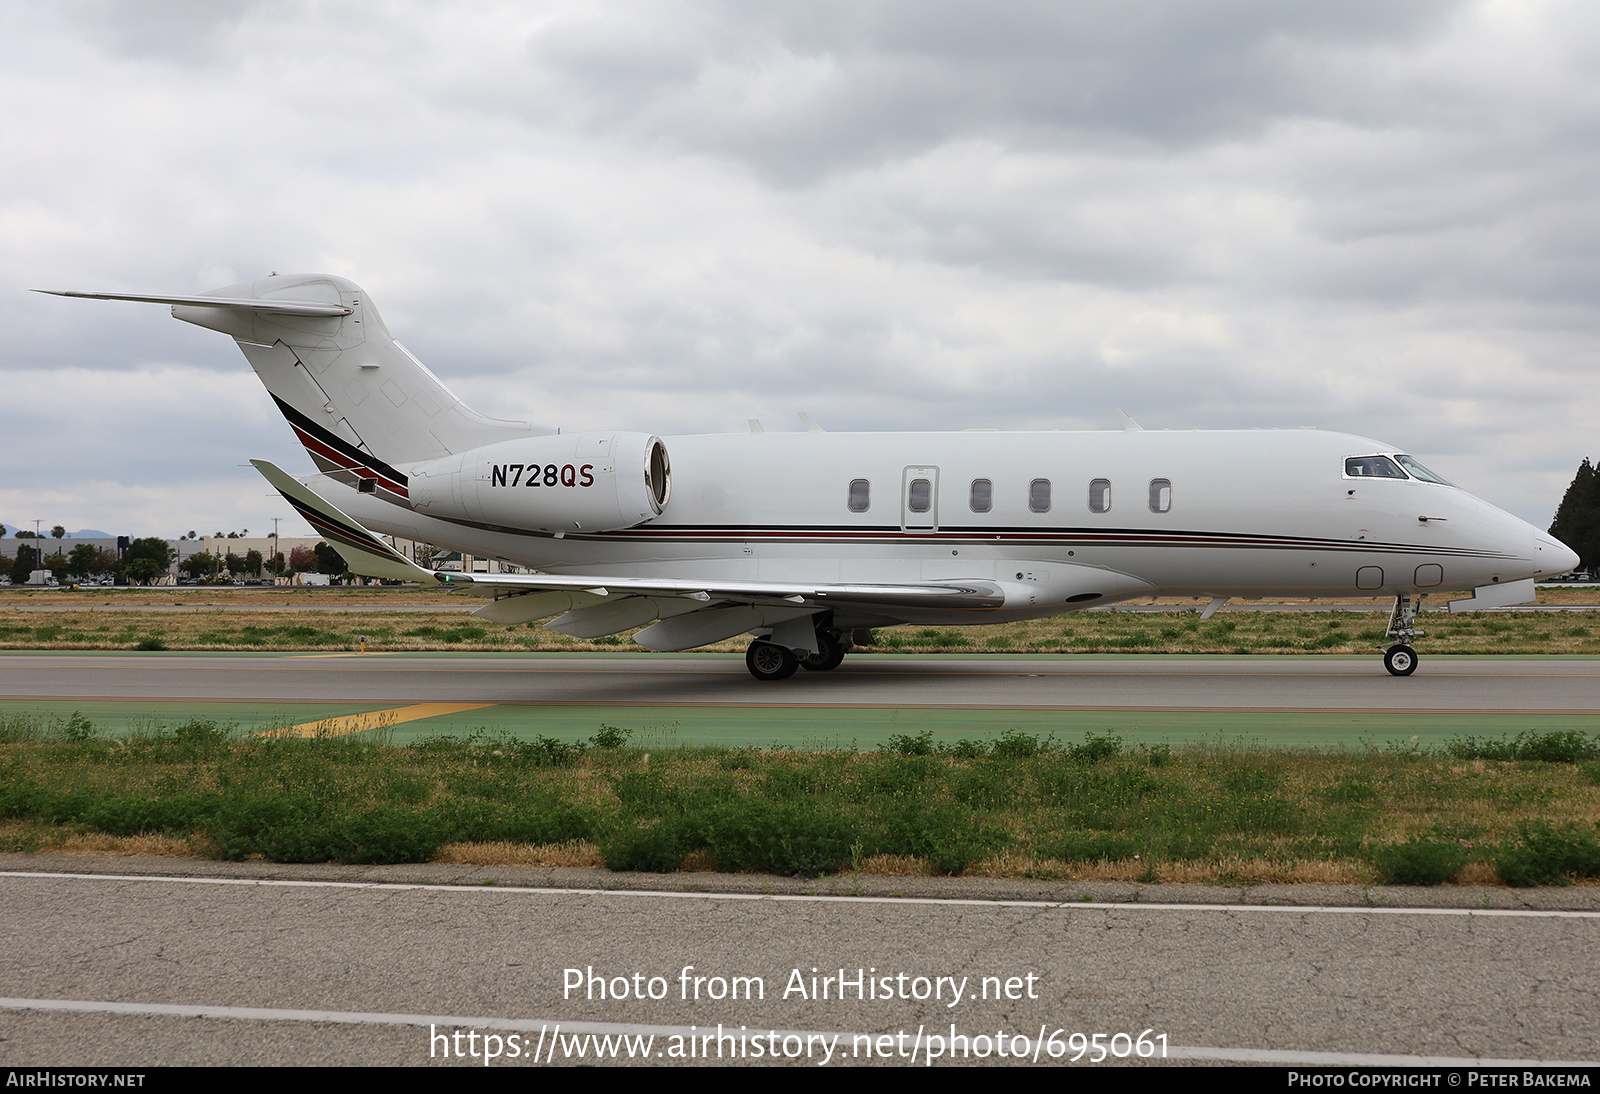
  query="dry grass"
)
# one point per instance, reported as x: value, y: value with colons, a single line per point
x: 31, y: 836
x: 579, y: 853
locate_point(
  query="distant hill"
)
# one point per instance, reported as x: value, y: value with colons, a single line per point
x: 82, y: 533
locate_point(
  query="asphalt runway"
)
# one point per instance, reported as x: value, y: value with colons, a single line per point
x: 1265, y: 683
x: 109, y: 971
x: 709, y: 699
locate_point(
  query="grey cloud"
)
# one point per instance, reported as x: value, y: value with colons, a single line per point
x: 881, y: 81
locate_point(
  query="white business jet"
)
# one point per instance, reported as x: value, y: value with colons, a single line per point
x: 808, y: 540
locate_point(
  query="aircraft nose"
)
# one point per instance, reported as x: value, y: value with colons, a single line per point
x: 1551, y: 556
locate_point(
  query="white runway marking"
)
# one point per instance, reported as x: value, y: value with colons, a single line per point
x: 543, y: 1026
x: 1296, y: 909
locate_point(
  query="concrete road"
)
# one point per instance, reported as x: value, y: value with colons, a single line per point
x: 145, y: 971
x: 1262, y: 683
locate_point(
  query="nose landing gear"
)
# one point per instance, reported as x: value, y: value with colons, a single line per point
x: 1400, y: 658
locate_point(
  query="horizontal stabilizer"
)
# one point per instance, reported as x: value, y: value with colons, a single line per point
x: 274, y: 307
x: 364, y: 552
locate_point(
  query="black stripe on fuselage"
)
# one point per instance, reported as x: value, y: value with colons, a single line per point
x: 980, y: 537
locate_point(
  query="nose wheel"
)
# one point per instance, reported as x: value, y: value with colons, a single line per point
x: 1400, y: 660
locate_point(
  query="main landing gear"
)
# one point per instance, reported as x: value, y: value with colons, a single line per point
x: 829, y: 655
x: 1400, y: 658
x: 770, y: 661
x: 767, y: 661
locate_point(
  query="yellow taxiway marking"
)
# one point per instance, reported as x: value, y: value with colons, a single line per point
x: 372, y: 719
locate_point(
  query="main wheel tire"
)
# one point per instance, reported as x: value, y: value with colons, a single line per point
x: 1400, y: 660
x: 829, y: 655
x: 769, y: 662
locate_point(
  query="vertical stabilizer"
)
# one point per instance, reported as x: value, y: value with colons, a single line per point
x: 358, y: 400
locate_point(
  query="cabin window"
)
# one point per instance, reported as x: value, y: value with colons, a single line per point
x: 860, y: 495
x: 1418, y: 471
x: 1372, y: 467
x: 1039, y: 495
x: 919, y: 498
x: 367, y: 486
x: 1160, y: 495
x: 982, y: 495
x: 1100, y: 496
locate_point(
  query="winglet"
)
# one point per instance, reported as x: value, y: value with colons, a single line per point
x: 365, y: 553
x: 1128, y: 424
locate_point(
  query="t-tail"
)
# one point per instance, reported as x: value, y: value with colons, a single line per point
x: 357, y: 399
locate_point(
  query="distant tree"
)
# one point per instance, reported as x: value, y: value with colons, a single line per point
x: 153, y: 548
x: 26, y: 562
x: 58, y: 532
x: 2, y: 531
x: 1577, y: 522
x: 82, y: 559
x: 198, y: 565
x: 330, y: 561
x: 142, y: 571
x: 303, y: 560
x: 252, y: 563
x: 277, y: 564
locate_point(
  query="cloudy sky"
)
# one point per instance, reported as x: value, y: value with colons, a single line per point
x: 672, y: 217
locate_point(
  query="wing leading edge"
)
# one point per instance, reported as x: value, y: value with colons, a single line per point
x: 691, y: 611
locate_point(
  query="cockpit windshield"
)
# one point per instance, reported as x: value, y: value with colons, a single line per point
x: 1418, y: 471
x: 1372, y: 467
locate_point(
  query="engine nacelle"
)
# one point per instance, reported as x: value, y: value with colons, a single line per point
x: 568, y: 482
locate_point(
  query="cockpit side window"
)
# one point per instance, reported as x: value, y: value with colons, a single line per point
x: 1418, y: 471
x: 1372, y: 467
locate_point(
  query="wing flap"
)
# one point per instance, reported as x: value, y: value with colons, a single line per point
x: 977, y: 595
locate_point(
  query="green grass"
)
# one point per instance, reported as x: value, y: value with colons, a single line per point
x: 1013, y: 804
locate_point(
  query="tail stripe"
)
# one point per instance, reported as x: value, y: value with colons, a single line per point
x: 330, y: 446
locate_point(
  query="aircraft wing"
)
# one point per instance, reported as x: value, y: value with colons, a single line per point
x: 597, y: 595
